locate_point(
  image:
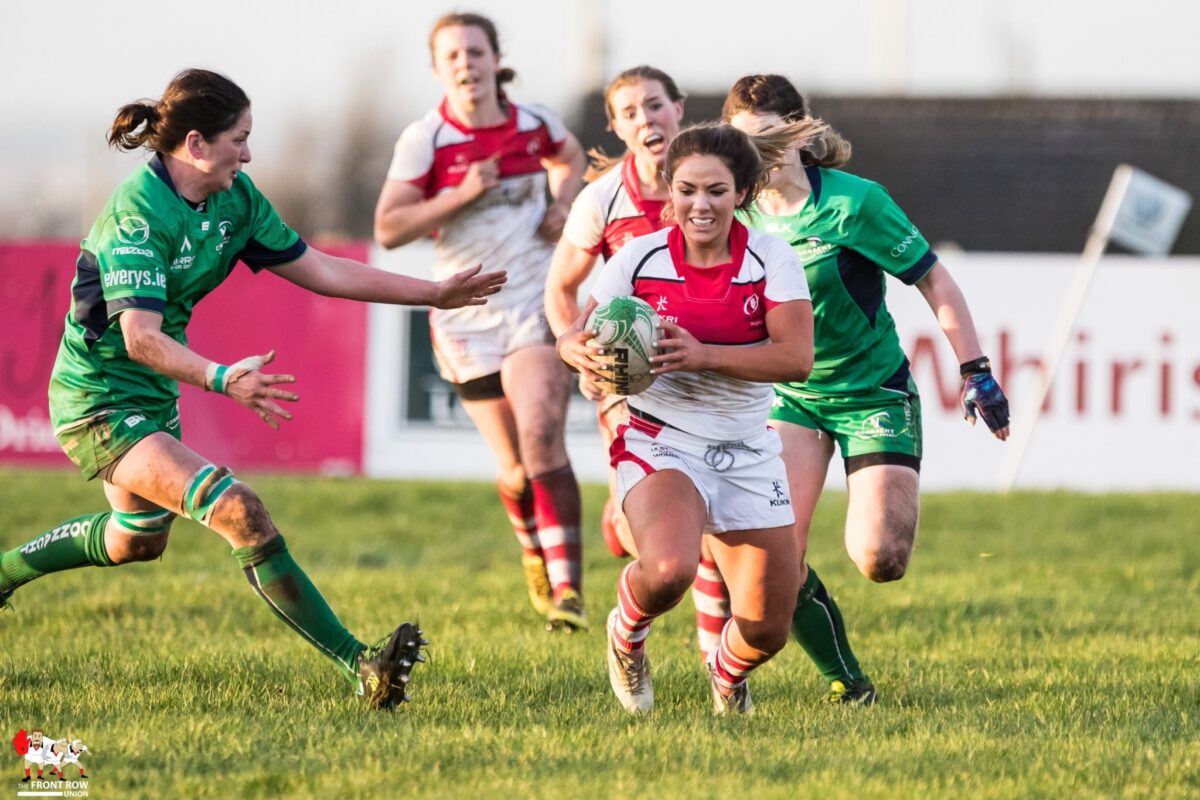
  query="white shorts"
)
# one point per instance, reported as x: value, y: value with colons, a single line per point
x: 744, y: 484
x: 472, y: 342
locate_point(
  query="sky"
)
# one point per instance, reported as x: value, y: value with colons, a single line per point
x: 68, y: 65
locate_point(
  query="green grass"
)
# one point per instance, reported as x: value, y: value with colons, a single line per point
x: 1042, y: 645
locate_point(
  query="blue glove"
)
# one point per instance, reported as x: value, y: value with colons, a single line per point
x: 981, y: 393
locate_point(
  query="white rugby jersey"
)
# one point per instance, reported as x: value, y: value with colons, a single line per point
x: 610, y: 212
x: 499, y: 229
x: 723, y: 305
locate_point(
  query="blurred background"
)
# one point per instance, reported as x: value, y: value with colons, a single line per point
x: 996, y: 125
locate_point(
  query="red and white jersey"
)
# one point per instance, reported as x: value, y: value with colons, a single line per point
x: 498, y: 230
x: 723, y: 305
x: 610, y: 212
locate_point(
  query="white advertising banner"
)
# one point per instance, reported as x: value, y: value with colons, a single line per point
x: 1123, y: 413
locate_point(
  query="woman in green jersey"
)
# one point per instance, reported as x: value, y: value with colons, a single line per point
x: 170, y: 234
x: 849, y: 233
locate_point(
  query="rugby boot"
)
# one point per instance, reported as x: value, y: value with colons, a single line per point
x: 629, y: 674
x: 861, y: 693
x: 384, y: 668
x: 737, y: 703
x: 567, y: 614
x: 537, y: 581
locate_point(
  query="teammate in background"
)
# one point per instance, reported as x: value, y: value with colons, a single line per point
x: 52, y: 754
x: 623, y: 199
x: 849, y: 234
x: 475, y: 171
x: 696, y: 455
x: 170, y: 234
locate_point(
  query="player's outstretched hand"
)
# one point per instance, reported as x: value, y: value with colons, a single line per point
x: 471, y: 287
x: 982, y: 395
x: 680, y: 350
x: 250, y: 386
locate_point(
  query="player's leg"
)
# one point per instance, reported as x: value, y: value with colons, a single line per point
x: 817, y: 622
x: 612, y: 412
x: 165, y: 472
x: 666, y: 515
x: 538, y: 386
x: 710, y: 595
x: 883, y: 481
x: 762, y: 570
x: 484, y: 401
x: 881, y: 521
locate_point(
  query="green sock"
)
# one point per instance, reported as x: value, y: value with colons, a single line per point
x: 293, y: 598
x: 78, y: 542
x: 818, y: 627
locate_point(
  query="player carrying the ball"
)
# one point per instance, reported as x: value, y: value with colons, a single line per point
x: 696, y: 455
x: 475, y: 172
x: 172, y: 232
x: 849, y: 234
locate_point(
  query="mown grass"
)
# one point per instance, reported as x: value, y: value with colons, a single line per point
x: 1042, y: 645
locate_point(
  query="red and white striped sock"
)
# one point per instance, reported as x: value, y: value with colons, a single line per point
x: 520, y: 514
x: 711, y: 598
x: 730, y: 671
x: 632, y: 622
x: 556, y: 508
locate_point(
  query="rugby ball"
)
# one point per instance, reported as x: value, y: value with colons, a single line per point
x: 626, y: 327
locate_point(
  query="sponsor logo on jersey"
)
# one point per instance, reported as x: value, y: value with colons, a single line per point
x: 781, y: 498
x: 225, y: 227
x: 661, y: 305
x: 133, y: 229
x: 751, y: 305
x: 811, y: 247
x: 905, y: 243
x: 533, y: 147
x: 137, y: 278
x: 134, y: 420
x: 132, y: 251
x: 181, y: 261
x: 662, y: 451
x: 204, y: 225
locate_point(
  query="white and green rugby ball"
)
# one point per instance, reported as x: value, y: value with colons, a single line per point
x: 626, y: 327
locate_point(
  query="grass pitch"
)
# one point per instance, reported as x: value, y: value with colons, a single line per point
x: 1041, y: 645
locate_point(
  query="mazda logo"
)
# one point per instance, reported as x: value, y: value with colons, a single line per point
x: 133, y: 229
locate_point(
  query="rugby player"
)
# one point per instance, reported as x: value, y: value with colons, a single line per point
x: 696, y: 455
x: 169, y: 235
x: 849, y: 234
x: 475, y: 171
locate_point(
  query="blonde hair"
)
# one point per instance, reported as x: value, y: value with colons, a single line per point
x: 775, y: 94
x: 749, y: 157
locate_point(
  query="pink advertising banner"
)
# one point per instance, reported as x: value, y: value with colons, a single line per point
x: 319, y: 340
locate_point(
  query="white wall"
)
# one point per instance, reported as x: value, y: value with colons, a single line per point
x: 1124, y: 415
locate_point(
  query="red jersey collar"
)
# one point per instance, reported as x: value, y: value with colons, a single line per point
x: 738, y: 239
x: 510, y: 123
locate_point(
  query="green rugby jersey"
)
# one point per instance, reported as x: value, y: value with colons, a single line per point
x: 848, y: 234
x: 150, y: 249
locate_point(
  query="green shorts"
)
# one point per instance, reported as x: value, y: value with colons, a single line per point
x: 880, y: 426
x: 96, y: 444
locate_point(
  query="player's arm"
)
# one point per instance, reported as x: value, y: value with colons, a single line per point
x: 147, y: 345
x: 568, y: 270
x: 564, y: 176
x: 403, y: 214
x: 786, y: 358
x: 343, y: 277
x: 980, y: 391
